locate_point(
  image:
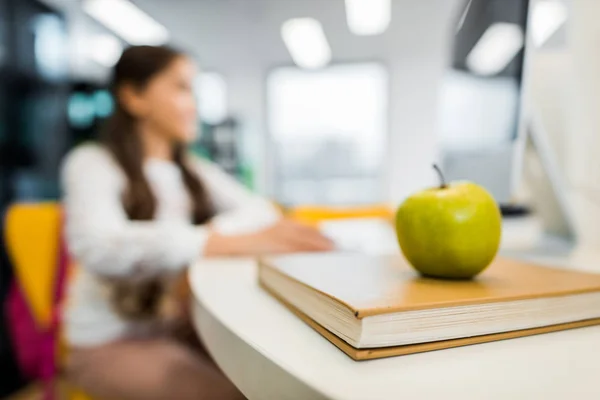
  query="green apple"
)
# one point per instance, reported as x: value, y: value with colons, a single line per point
x: 452, y: 231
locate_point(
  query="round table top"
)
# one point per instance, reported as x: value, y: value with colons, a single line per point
x: 269, y: 353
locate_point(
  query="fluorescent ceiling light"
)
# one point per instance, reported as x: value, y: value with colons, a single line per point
x: 128, y: 21
x: 306, y: 42
x: 498, y: 45
x: 368, y: 17
x: 104, y: 50
x: 547, y: 17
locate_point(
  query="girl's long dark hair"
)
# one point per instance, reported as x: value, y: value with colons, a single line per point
x: 136, y: 67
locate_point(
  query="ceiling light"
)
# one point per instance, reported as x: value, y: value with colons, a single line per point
x: 306, y: 42
x: 368, y: 17
x: 128, y: 21
x: 498, y: 45
x: 547, y: 17
x: 104, y: 50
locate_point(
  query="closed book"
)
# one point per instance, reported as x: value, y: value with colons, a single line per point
x: 376, y: 306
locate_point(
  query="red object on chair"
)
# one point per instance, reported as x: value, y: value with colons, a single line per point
x: 40, y: 260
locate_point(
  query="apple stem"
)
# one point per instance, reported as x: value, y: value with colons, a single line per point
x: 441, y: 175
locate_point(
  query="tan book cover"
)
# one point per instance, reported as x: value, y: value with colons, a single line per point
x: 370, y: 286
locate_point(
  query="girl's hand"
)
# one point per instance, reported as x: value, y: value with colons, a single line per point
x: 284, y: 237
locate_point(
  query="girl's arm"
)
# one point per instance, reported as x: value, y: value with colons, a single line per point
x: 104, y: 240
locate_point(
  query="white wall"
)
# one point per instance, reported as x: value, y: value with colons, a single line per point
x: 416, y: 70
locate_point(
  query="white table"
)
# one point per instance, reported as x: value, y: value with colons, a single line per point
x: 270, y: 354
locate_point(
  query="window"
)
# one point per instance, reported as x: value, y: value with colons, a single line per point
x: 329, y: 133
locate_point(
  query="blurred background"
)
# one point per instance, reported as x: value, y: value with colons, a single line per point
x: 337, y: 103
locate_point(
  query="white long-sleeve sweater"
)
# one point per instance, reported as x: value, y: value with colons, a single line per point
x: 104, y: 242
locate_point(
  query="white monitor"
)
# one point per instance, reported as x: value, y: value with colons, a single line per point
x: 540, y: 171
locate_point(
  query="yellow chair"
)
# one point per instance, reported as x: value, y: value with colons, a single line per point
x: 313, y: 215
x: 33, y: 240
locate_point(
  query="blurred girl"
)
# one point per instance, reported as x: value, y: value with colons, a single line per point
x: 139, y: 210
